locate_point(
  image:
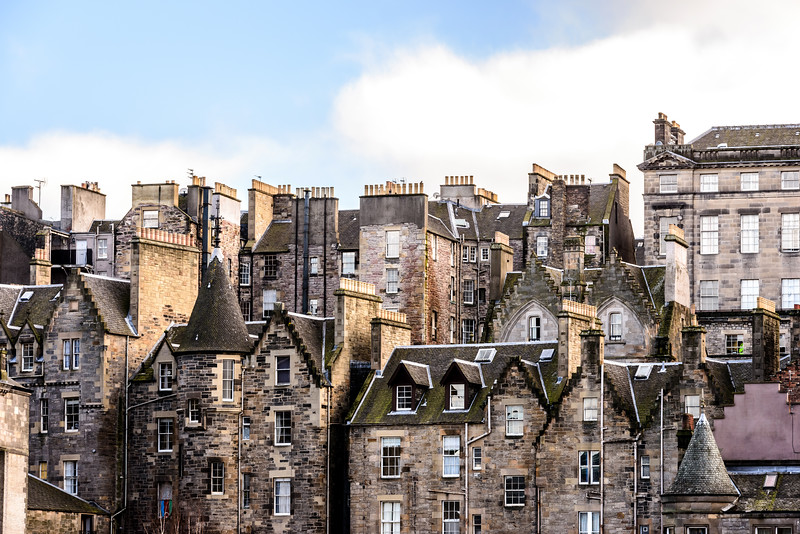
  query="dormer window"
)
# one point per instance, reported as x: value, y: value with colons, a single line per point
x: 456, y: 397
x: 543, y: 208
x: 404, y: 396
x: 462, y: 381
x: 409, y: 382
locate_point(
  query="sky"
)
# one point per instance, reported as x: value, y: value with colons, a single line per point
x: 346, y: 94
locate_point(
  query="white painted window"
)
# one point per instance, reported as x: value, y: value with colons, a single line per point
x: 283, y: 496
x: 590, y: 410
x: 44, y: 416
x: 165, y: 376
x: 644, y: 466
x: 313, y: 307
x: 165, y: 434
x: 477, y: 458
x: 749, y: 181
x: 514, y: 490
x: 514, y: 421
x: 541, y: 246
x: 691, y: 405
x: 709, y: 235
x: 589, y: 522
x: 194, y: 410
x: 457, y: 396
x: 244, y: 273
x: 217, y: 478
x: 451, y: 517
x: 790, y: 180
x: 71, y: 354
x: 615, y: 326
x: 734, y: 344
x: 393, y: 243
x: 451, y: 452
x: 71, y: 477
x: 390, y: 457
x: 589, y: 467
x: 749, y: 294
x: 452, y: 329
x: 709, y: 295
x: 27, y: 357
x: 668, y: 183
x: 348, y: 263
x: 392, y: 280
x: 283, y: 427
x: 709, y: 183
x: 102, y: 249
x: 227, y: 380
x: 790, y: 292
x: 314, y: 265
x: 269, y: 297
x: 534, y: 328
x: 663, y: 225
x: 390, y: 518
x: 468, y: 291
x: 468, y: 330
x: 484, y: 253
x: 790, y: 232
x: 72, y: 414
x: 150, y: 218
x: 245, y: 428
x: 283, y: 370
x: 543, y: 205
x: 749, y: 234
x: 404, y: 397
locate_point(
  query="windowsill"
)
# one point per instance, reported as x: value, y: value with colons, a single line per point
x: 166, y: 452
x: 615, y: 342
x: 514, y: 435
x: 514, y: 505
x: 282, y: 386
x: 390, y: 478
x: 403, y: 412
x: 283, y: 444
x: 451, y: 476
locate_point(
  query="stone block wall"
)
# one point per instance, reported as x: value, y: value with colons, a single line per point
x: 440, y: 274
x: 14, y: 402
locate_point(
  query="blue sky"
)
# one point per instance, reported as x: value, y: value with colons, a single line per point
x: 355, y: 93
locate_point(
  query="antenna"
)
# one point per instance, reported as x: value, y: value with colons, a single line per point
x: 39, y: 184
x: 191, y: 173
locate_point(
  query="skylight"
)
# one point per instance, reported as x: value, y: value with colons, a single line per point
x: 462, y: 223
x: 547, y: 355
x: 26, y: 296
x: 485, y: 355
x: 503, y: 214
x: 770, y: 481
x: 643, y: 371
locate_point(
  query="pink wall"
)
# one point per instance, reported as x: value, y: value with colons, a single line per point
x: 759, y: 426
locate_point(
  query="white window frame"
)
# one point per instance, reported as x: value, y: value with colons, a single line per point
x: 283, y: 428
x: 543, y: 208
x: 668, y: 183
x: 217, y: 478
x: 269, y: 297
x: 733, y: 343
x: 283, y: 496
x: 451, y: 517
x: 589, y: 467
x: 283, y: 370
x: 468, y: 330
x: 434, y: 248
x: 228, y: 368
x: 348, y: 263
x: 691, y: 405
x: 663, y: 231
x: 313, y: 265
x: 392, y: 280
x: 245, y: 428
x: 390, y: 456
x: 709, y: 234
x: 150, y: 219
x: 790, y: 180
x: 790, y: 232
x: 452, y: 329
x: 27, y: 356
x: 165, y: 376
x: 404, y: 397
x: 697, y: 530
x: 72, y: 414
x: 644, y: 466
x: 392, y: 243
x: 749, y: 234
x: 709, y: 183
x: 165, y: 428
x: 468, y: 291
x: 477, y: 458
x: 193, y: 410
x: 588, y: 522
x: 748, y: 291
x: 515, y: 420
x: 244, y: 273
x: 749, y: 181
x: 534, y: 328
x: 514, y: 495
x: 615, y: 326
x: 790, y: 293
x: 71, y: 476
x: 390, y: 517
x: 247, y: 479
x: 451, y: 456
x: 541, y: 246
x: 484, y: 253
x: 44, y: 415
x: 313, y: 307
x: 102, y: 248
x: 457, y: 395
x: 709, y: 295
x: 590, y: 409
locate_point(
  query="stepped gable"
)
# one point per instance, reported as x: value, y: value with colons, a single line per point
x: 216, y: 324
x: 702, y: 471
x: 111, y: 298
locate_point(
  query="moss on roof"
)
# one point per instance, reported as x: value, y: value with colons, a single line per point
x: 745, y: 136
x: 276, y: 239
x: 47, y: 497
x: 111, y: 298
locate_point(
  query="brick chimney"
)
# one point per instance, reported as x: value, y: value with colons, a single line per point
x: 766, y: 340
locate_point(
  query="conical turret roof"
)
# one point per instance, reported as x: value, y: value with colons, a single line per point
x: 216, y: 324
x: 702, y: 471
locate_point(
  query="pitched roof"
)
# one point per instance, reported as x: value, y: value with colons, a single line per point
x: 45, y: 496
x: 505, y: 218
x: 784, y: 497
x: 38, y: 306
x: 276, y: 238
x: 349, y: 229
x: 103, y: 226
x: 742, y: 136
x: 702, y: 471
x: 314, y: 331
x: 216, y: 324
x: 112, y: 298
x: 638, y: 397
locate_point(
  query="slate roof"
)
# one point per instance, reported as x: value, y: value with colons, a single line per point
x: 216, y: 324
x: 112, y: 298
x: 742, y: 136
x: 785, y: 497
x: 276, y: 239
x: 45, y: 496
x: 8, y: 297
x: 728, y: 376
x: 702, y: 471
x: 601, y: 199
x: 310, y: 330
x: 349, y: 229
x: 439, y: 221
x: 39, y: 308
x: 374, y: 403
x: 489, y: 220
x: 103, y: 226
x: 639, y: 398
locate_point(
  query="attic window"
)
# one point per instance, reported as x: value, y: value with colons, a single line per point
x: 26, y: 296
x: 547, y: 355
x: 643, y: 372
x: 770, y: 481
x: 485, y: 355
x: 462, y: 223
x: 503, y: 214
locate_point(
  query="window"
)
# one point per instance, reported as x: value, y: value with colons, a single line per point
x: 313, y: 307
x: 282, y: 370
x: 749, y: 294
x: 452, y: 329
x: 589, y: 522
x: 515, y: 491
x: 27, y: 356
x: 393, y: 243
x: 71, y: 413
x: 668, y: 183
x: 283, y: 428
x: 43, y: 470
x: 591, y: 244
x: 150, y: 218
x: 434, y: 249
x: 477, y: 524
x: 749, y: 181
x: 194, y: 410
x: 44, y: 416
x: 71, y: 477
x: 451, y: 451
x: 615, y: 326
x: 468, y: 330
x: 544, y: 207
x: 664, y: 223
x: 452, y: 289
x: 456, y: 397
x: 452, y: 254
x: 691, y: 405
x: 227, y: 380
x: 790, y: 292
x: 348, y: 263
x: 709, y: 183
x: 165, y: 435
x: 709, y: 295
x: 270, y: 266
x: 217, y: 478
x: 244, y: 273
x: 283, y: 496
x: 790, y: 180
x: 102, y: 249
x: 790, y: 232
x: 72, y: 353
x: 514, y: 420
x: 404, y: 397
x: 434, y: 324
x: 534, y: 328
x: 390, y: 518
x: 469, y: 254
x: 644, y: 466
x: 451, y: 517
x: 773, y: 530
x: 165, y: 376
x: 392, y: 280
x: 709, y: 235
x: 541, y: 246
x: 477, y: 458
x: 749, y: 235
x: 589, y: 467
x: 314, y: 265
x: 245, y: 428
x: 246, y: 477
x: 245, y: 306
x: 390, y: 457
x: 485, y: 254
x: 469, y: 291
x: 269, y: 298
x: 696, y: 530
x: 734, y: 344
x: 590, y: 410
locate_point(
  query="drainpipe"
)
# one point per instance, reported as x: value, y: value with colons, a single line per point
x: 239, y: 459
x: 636, y: 483
x: 467, y: 443
x: 125, y: 446
x: 661, y: 463
x: 602, y: 446
x: 325, y: 258
x: 306, y: 209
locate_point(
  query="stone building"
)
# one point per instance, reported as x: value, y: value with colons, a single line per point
x: 51, y: 510
x: 14, y: 400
